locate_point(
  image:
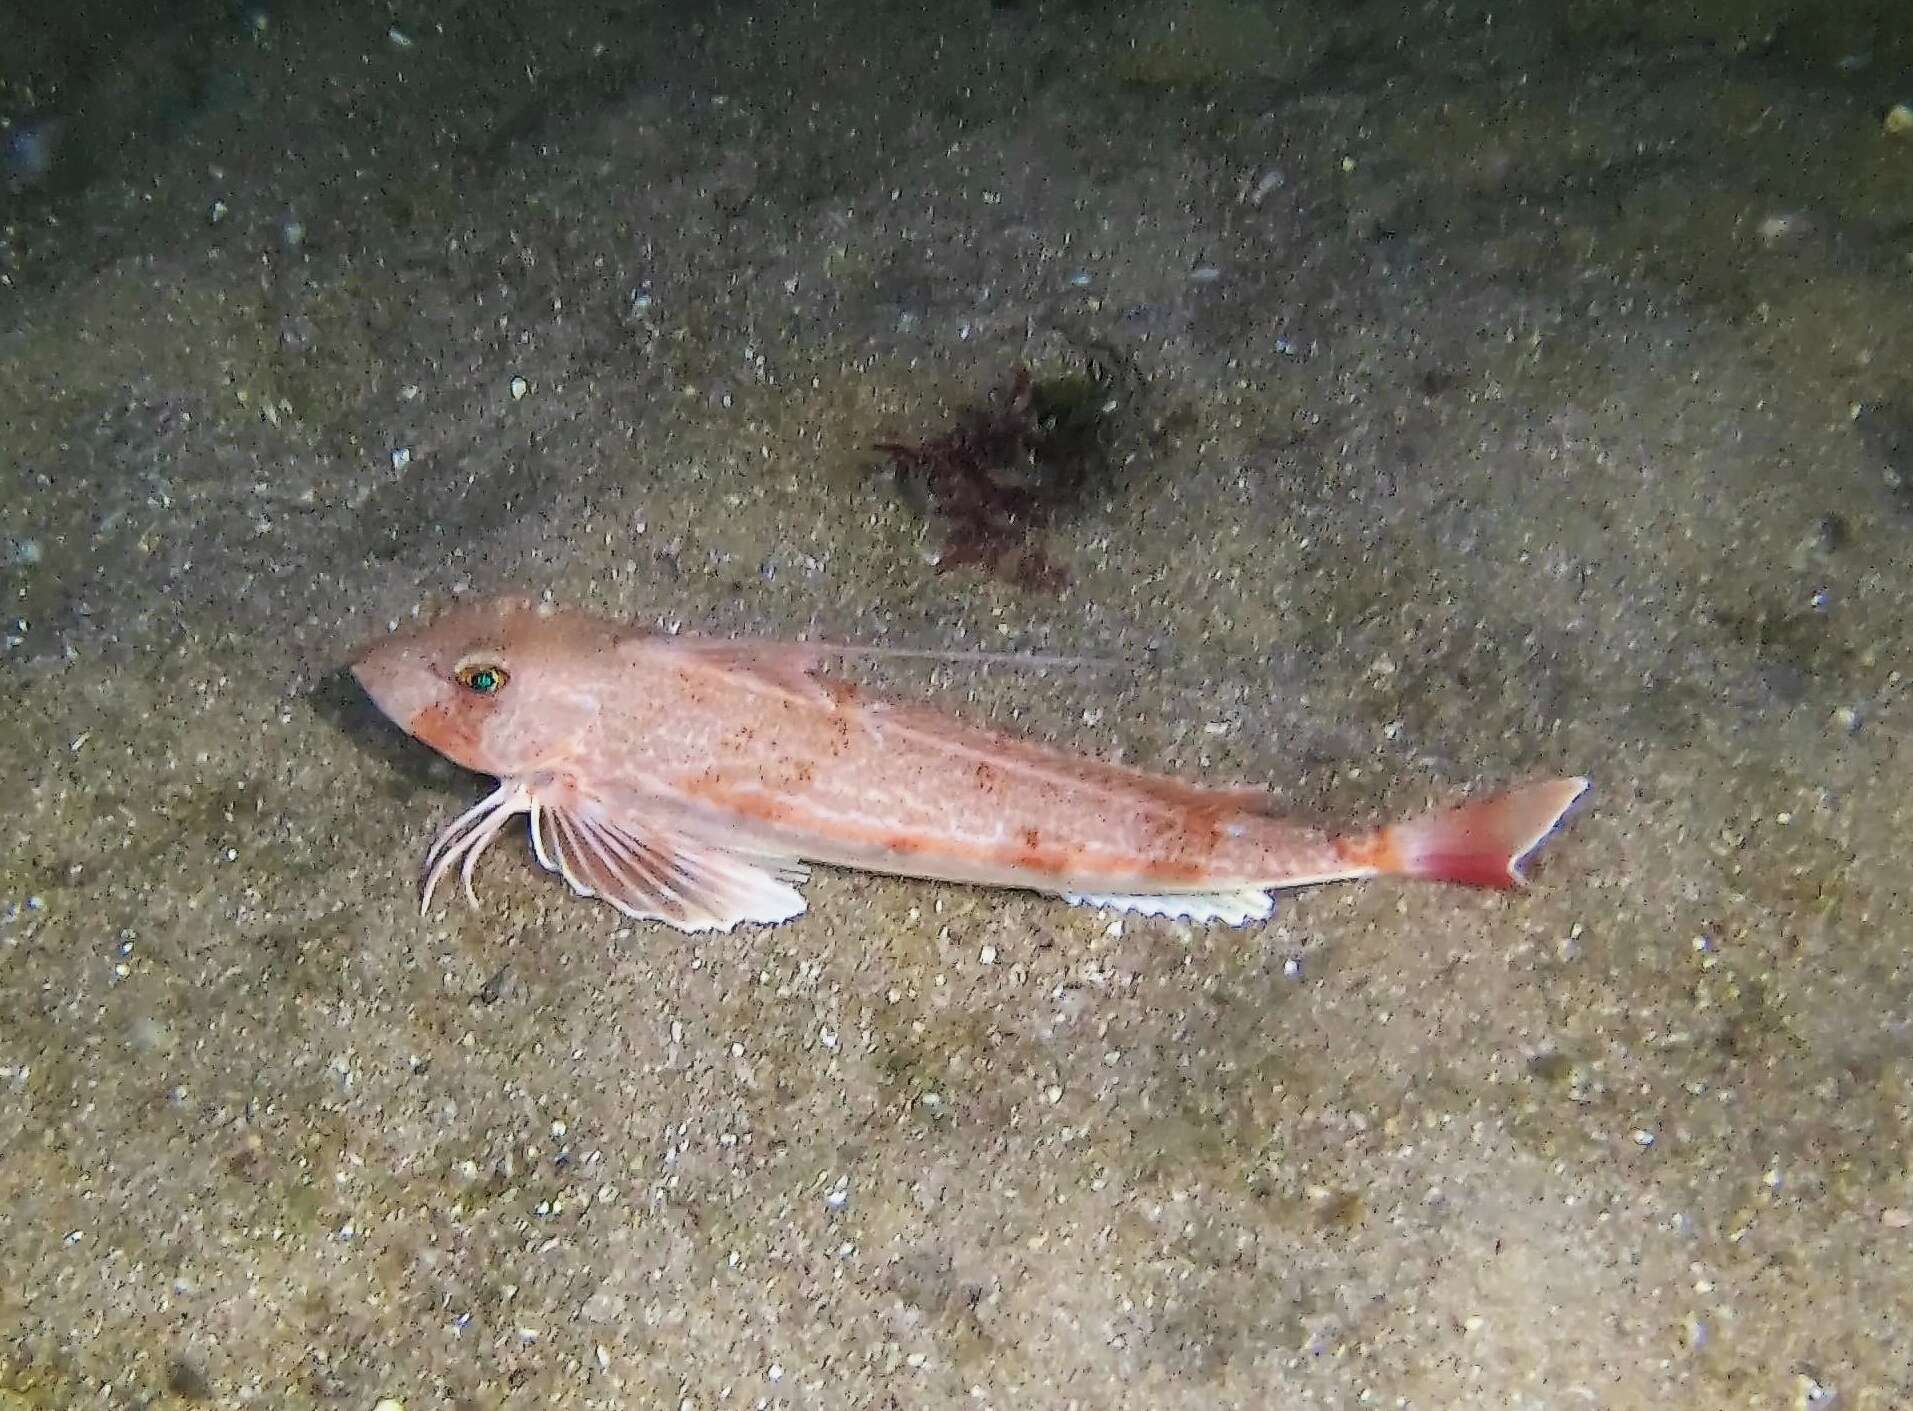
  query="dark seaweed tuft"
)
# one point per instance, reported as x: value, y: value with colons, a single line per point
x: 1012, y: 465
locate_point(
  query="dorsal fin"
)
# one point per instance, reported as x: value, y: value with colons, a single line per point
x: 944, y: 734
x: 789, y: 667
x: 795, y: 666
x: 1033, y: 661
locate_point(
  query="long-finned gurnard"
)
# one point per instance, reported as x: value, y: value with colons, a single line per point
x: 689, y: 780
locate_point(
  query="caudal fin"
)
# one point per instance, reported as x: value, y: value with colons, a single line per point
x: 1483, y: 843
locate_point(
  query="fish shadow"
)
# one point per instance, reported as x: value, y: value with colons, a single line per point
x: 415, y: 769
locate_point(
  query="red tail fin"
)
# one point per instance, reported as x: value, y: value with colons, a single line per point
x: 1482, y: 843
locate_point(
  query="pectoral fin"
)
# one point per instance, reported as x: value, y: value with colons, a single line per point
x: 652, y: 872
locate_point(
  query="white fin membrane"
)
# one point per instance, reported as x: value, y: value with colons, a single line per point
x: 652, y: 873
x: 1230, y: 908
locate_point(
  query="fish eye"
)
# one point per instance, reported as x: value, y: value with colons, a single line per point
x: 482, y: 678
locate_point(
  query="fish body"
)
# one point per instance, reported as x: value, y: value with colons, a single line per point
x: 689, y: 780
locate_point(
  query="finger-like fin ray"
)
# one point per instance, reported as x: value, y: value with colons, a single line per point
x: 460, y: 842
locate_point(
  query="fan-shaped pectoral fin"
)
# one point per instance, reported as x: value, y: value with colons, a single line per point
x: 649, y: 869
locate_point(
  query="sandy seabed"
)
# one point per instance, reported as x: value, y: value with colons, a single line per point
x: 1511, y: 395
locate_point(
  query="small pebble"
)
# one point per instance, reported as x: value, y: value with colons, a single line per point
x: 601, y: 1307
x: 186, y: 1380
x: 1266, y: 185
x: 1814, y: 1394
x: 1784, y: 228
x: 518, y: 389
x: 1899, y: 120
x: 1830, y: 533
x: 1824, y: 538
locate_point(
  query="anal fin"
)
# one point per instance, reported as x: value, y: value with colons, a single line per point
x: 1231, y: 908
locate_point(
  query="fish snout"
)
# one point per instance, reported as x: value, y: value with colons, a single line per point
x: 400, y: 682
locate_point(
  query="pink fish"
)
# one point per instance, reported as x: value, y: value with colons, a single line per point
x: 689, y: 780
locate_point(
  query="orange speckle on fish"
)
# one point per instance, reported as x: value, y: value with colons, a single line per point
x: 1371, y: 850
x: 1173, y: 870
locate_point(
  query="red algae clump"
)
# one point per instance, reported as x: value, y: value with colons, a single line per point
x: 1010, y: 466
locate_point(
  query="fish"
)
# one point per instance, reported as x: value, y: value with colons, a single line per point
x: 694, y: 780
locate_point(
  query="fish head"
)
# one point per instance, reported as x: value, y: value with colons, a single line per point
x: 506, y: 686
